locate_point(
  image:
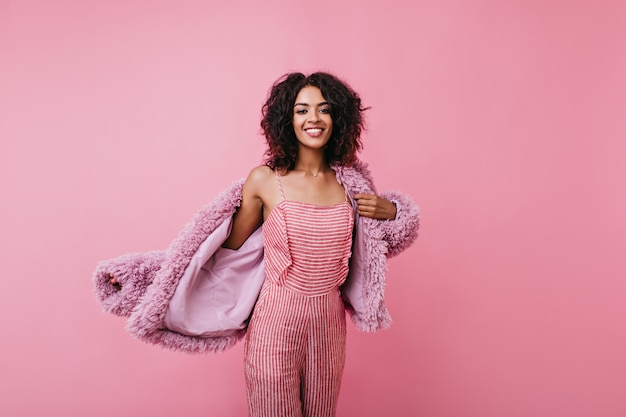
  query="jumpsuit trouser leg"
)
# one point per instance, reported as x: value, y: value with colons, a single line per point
x: 295, y: 353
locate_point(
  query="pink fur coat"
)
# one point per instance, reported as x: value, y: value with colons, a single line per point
x: 149, y: 281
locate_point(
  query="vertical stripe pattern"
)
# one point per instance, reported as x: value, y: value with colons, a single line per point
x: 295, y: 345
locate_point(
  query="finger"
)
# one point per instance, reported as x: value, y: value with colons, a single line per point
x: 367, y: 205
x: 366, y: 214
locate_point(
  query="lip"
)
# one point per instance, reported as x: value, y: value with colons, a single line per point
x: 314, y: 132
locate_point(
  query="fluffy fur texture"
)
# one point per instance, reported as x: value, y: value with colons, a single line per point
x: 383, y: 239
x: 148, y: 281
x: 134, y: 272
x: 401, y: 232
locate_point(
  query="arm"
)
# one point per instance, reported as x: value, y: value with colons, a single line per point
x: 398, y: 218
x: 249, y: 215
x: 375, y: 207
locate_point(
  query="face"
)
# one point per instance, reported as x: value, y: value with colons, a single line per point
x: 311, y: 118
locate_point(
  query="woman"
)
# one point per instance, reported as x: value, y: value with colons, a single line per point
x: 322, y: 223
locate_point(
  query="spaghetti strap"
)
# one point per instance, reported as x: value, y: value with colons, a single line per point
x: 280, y: 185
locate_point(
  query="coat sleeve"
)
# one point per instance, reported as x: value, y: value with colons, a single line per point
x: 401, y: 232
x: 134, y: 272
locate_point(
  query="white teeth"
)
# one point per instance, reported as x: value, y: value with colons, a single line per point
x: 314, y: 130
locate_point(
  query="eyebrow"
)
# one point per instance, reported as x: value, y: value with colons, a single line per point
x: 323, y: 103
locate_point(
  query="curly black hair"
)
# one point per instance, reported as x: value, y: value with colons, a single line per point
x: 277, y: 122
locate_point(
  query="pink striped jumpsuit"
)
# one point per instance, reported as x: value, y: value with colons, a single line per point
x: 296, y: 339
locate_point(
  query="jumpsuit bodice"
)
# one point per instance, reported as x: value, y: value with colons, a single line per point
x: 308, y: 246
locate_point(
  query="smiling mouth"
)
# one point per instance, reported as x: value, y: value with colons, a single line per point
x: 314, y: 131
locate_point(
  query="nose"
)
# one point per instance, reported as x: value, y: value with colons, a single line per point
x: 313, y: 116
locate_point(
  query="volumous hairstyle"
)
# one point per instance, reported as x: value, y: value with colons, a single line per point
x: 277, y: 121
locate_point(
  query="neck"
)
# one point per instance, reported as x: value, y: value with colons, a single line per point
x: 311, y: 162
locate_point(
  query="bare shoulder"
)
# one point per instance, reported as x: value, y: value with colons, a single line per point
x: 249, y: 215
x: 259, y: 177
x: 259, y: 180
x: 260, y: 173
x: 262, y: 184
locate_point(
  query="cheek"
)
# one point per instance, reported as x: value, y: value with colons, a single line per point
x: 297, y: 120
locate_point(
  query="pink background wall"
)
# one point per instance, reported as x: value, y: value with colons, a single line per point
x: 504, y: 120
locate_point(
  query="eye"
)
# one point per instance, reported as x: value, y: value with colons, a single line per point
x: 301, y: 111
x: 325, y: 110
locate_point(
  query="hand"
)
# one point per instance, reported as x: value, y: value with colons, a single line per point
x: 375, y: 207
x: 114, y: 282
